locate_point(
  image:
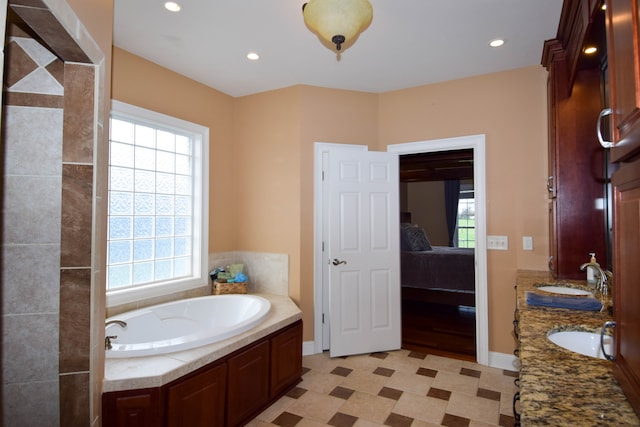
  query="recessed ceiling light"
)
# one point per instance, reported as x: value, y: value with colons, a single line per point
x: 253, y: 56
x: 590, y: 50
x: 496, y: 43
x: 172, y: 6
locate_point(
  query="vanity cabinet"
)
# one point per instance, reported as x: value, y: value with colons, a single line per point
x: 623, y: 22
x: 626, y: 284
x: 622, y: 39
x: 577, y: 172
x: 227, y: 392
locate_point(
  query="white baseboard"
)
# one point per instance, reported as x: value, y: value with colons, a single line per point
x: 308, y: 348
x: 496, y: 360
x: 504, y: 361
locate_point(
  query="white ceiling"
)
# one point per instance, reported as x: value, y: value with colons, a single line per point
x: 409, y: 43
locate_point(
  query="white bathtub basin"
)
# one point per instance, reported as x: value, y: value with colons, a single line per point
x: 185, y: 324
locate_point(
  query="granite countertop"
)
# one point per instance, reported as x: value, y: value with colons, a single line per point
x: 559, y: 387
x: 155, y: 371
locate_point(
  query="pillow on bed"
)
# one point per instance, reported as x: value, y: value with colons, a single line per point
x: 413, y: 238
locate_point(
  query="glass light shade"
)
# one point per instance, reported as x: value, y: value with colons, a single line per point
x: 337, y: 21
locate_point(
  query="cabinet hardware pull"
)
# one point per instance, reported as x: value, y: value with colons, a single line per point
x: 603, y: 113
x: 516, y: 414
x: 607, y: 325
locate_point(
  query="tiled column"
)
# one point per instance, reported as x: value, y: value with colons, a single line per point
x: 32, y: 127
x: 49, y: 134
x: 75, y: 245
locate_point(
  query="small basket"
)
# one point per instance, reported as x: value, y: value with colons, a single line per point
x: 229, y: 288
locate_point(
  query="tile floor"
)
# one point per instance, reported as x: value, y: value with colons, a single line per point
x: 398, y: 389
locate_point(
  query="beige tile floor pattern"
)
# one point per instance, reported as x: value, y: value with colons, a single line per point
x: 397, y: 389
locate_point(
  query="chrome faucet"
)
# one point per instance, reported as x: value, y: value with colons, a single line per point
x: 603, y: 276
x: 108, y: 338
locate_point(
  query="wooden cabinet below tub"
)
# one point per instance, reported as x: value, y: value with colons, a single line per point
x: 227, y: 392
x: 248, y: 388
x: 198, y: 401
x: 286, y: 360
x: 133, y: 408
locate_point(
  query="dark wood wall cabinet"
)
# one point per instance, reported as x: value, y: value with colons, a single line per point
x: 577, y: 164
x: 574, y: 95
x: 228, y: 392
x: 623, y: 29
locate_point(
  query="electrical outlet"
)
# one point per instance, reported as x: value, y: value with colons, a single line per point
x: 527, y: 243
x: 498, y: 243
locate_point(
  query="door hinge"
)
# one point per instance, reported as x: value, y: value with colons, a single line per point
x: 322, y: 317
x: 323, y: 175
x: 322, y: 246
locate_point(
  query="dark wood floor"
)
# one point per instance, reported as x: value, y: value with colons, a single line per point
x: 440, y: 329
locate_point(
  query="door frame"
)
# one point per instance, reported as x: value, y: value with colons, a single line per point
x: 477, y: 143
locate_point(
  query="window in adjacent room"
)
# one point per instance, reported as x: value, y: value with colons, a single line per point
x: 466, y: 225
x: 158, y: 205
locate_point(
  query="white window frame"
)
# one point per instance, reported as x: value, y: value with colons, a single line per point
x: 200, y: 209
x: 466, y: 188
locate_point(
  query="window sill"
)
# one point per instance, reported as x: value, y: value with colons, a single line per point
x: 141, y: 293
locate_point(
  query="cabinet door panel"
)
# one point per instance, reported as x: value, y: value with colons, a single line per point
x: 624, y: 62
x: 134, y: 408
x: 248, y: 383
x: 286, y: 359
x: 626, y: 286
x: 198, y: 401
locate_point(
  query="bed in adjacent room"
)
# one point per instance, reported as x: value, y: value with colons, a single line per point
x: 438, y: 293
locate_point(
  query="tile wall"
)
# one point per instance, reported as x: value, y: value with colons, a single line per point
x: 48, y: 266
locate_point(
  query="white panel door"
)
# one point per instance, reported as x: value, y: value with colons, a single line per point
x: 364, y: 252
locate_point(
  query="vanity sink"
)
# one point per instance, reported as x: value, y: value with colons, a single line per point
x: 564, y: 290
x: 582, y: 342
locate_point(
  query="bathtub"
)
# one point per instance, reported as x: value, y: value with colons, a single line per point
x: 184, y: 324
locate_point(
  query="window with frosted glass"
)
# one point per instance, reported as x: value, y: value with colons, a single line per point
x: 151, y: 204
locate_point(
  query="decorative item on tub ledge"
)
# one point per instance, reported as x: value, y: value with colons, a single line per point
x: 337, y: 21
x: 229, y: 288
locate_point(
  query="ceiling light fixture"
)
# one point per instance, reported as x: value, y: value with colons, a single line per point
x: 253, y: 56
x: 590, y: 50
x: 172, y: 6
x: 496, y: 43
x: 337, y: 21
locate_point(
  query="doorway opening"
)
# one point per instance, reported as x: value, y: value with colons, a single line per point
x: 476, y: 145
x: 474, y: 142
x: 437, y: 203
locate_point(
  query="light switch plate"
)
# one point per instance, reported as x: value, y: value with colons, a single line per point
x: 498, y: 243
x: 527, y: 243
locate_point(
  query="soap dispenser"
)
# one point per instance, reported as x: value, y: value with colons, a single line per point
x: 591, y: 274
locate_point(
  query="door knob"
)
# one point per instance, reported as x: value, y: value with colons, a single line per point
x: 336, y: 261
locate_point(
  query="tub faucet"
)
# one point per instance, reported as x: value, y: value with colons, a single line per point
x: 108, y: 338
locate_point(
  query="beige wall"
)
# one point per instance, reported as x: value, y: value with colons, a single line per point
x: 262, y: 160
x: 425, y: 202
x: 510, y: 109
x: 142, y: 83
